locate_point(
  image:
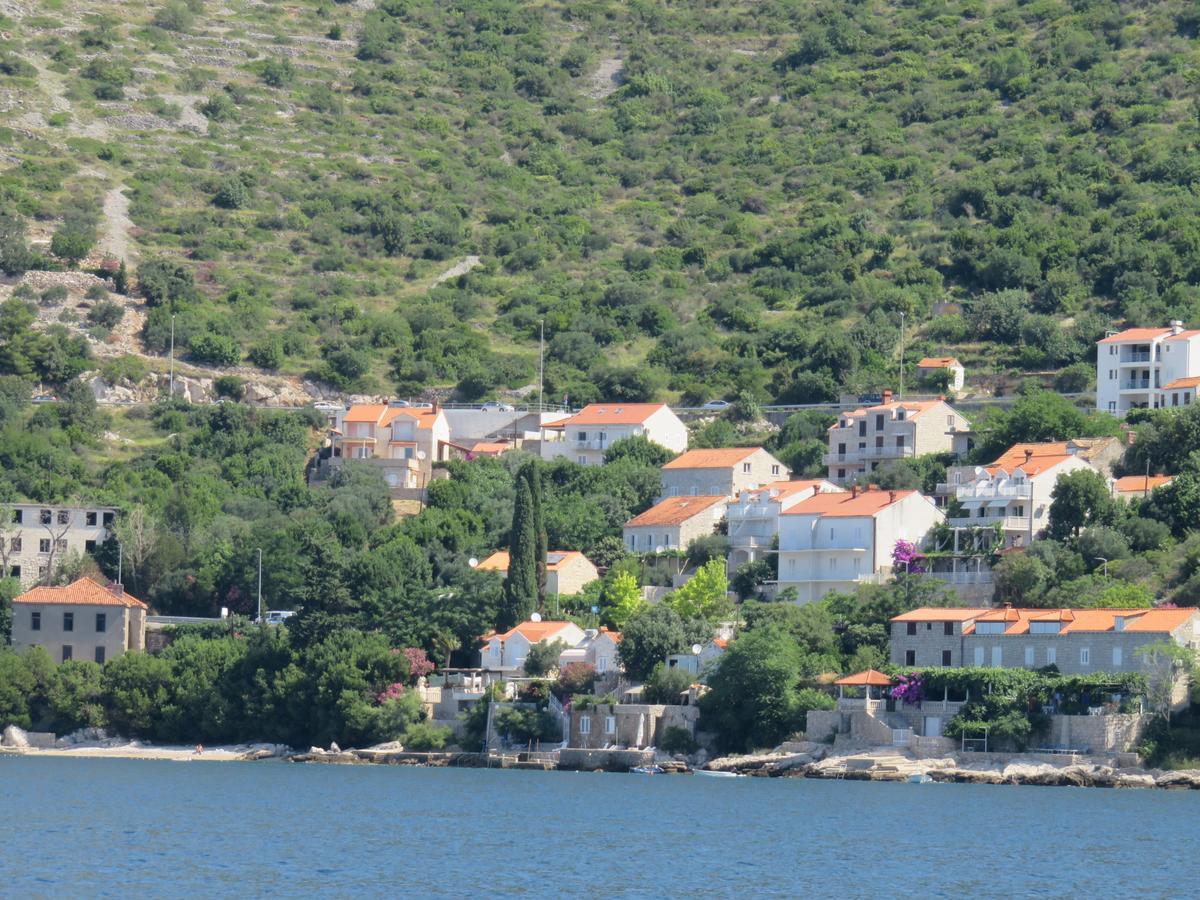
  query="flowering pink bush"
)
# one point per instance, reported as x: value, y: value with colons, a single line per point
x: 910, y: 689
x: 906, y: 557
x: 419, y: 664
x: 393, y: 692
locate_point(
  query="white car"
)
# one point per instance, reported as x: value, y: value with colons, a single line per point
x: 497, y: 406
x: 278, y: 616
x: 716, y: 404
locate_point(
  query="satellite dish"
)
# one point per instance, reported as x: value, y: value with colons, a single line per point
x: 472, y: 562
x: 658, y: 549
x: 420, y: 454
x: 696, y: 648
x: 536, y: 617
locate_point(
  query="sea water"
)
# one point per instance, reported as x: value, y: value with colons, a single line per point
x: 136, y: 828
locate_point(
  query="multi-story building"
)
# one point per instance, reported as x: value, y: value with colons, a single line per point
x: 507, y: 652
x: 1147, y: 367
x: 674, y: 523
x: 955, y: 373
x: 834, y: 541
x: 35, y: 538
x: 724, y: 471
x: 567, y: 571
x: 586, y: 436
x: 405, y: 442
x: 600, y: 649
x: 861, y: 440
x: 1077, y: 641
x: 753, y: 516
x: 83, y: 620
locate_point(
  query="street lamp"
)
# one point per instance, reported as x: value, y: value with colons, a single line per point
x: 1101, y: 559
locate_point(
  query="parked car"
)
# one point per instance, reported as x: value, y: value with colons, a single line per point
x: 716, y: 404
x: 44, y: 398
x: 278, y: 616
x: 497, y: 406
x: 327, y: 406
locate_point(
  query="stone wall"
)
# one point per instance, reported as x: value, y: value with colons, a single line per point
x: 579, y: 760
x: 1099, y: 734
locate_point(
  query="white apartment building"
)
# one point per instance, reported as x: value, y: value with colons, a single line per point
x: 834, y: 541
x: 36, y: 537
x: 721, y: 471
x: 586, y: 436
x: 753, y: 516
x: 403, y: 441
x: 1147, y: 367
x: 860, y: 440
x: 1015, y: 490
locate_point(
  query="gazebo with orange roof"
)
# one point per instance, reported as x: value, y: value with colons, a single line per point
x: 872, y: 683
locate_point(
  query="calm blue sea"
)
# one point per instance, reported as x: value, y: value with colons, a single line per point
x: 131, y: 828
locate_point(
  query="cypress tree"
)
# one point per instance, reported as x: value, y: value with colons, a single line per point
x: 533, y: 475
x: 520, y: 585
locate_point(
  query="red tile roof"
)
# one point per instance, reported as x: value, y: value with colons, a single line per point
x: 614, y: 414
x: 784, y: 489
x: 82, y: 592
x: 555, y: 560
x: 846, y: 503
x: 676, y: 510
x: 1135, y: 334
x: 912, y: 408
x: 534, y: 632
x: 1192, y: 381
x: 1070, y: 620
x: 712, y: 459
x: 937, y: 614
x: 862, y: 679
x: 938, y: 362
x: 1137, y: 484
x: 1184, y: 335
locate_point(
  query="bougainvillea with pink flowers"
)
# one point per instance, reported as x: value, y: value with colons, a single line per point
x: 910, y: 689
x: 419, y: 664
x: 393, y: 692
x: 906, y: 557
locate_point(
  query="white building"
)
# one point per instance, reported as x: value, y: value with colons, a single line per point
x: 834, y: 541
x: 600, y: 649
x: 933, y: 364
x: 1147, y: 367
x: 720, y: 471
x: 860, y: 440
x: 36, y: 537
x: 506, y: 652
x: 586, y: 436
x: 753, y: 516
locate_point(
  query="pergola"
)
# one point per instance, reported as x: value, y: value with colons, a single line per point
x: 871, y: 681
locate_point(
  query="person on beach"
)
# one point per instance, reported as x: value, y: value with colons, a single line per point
x: 199, y: 749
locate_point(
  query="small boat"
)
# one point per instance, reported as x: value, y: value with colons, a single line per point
x: 709, y: 773
x: 646, y: 770
x: 920, y: 778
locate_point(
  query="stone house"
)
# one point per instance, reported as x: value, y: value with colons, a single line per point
x: 722, y: 471
x: 673, y: 523
x: 567, y: 571
x: 83, y: 620
x: 586, y: 436
x: 36, y: 537
x: 628, y: 725
x: 863, y: 439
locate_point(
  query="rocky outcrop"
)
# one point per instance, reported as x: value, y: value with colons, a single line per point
x: 14, y: 738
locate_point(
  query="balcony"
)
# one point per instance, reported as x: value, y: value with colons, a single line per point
x: 987, y: 490
x: 591, y: 445
x: 1135, y: 356
x: 868, y: 454
x: 749, y: 513
x: 984, y: 577
x: 1008, y: 523
x: 750, y: 541
x: 1136, y: 384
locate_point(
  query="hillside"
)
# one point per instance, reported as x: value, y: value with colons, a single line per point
x: 699, y: 199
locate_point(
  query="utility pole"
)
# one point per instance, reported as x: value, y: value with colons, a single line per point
x: 120, y: 562
x: 172, y: 388
x: 901, y: 354
x: 541, y: 362
x: 260, y: 616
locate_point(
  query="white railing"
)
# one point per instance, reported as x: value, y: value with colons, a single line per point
x: 988, y: 490
x: 869, y: 453
x: 750, y: 541
x: 591, y: 445
x: 964, y: 577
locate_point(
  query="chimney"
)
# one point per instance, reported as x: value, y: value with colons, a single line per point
x: 887, y: 396
x: 853, y: 491
x: 891, y: 496
x: 1176, y: 326
x: 1028, y: 456
x: 118, y: 590
x: 942, y: 397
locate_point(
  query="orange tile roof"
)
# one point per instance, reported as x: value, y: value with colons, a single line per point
x: 1137, y: 484
x: 938, y: 362
x: 912, y: 408
x: 720, y: 642
x: 711, y: 459
x: 614, y: 636
x: 1192, y: 381
x: 489, y: 448
x: 1135, y: 334
x: 555, y: 559
x: 1184, y: 335
x: 866, y: 503
x: 676, y: 510
x: 869, y: 677
x: 425, y: 415
x: 1071, y: 620
x: 82, y: 592
x: 365, y: 412
x: 788, y: 488
x: 614, y: 414
x: 534, y: 632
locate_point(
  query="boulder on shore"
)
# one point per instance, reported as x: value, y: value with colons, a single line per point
x: 15, y: 738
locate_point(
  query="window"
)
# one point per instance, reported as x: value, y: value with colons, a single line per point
x: 910, y: 657
x: 899, y: 442
x: 746, y: 468
x: 582, y: 460
x: 947, y: 658
x: 67, y: 652
x: 610, y: 724
x: 35, y: 622
x: 18, y: 517
x: 585, y: 724
x: 60, y: 544
x: 1051, y: 655
x: 774, y: 470
x: 879, y: 421
x: 89, y: 546
x: 1029, y: 657
x: 989, y: 628
x: 582, y: 436
x: 89, y: 518
x: 63, y: 517
x: 68, y: 621
x: 602, y: 664
x: 100, y: 655
x: 948, y: 629
x: 15, y: 571
x: 862, y: 428
x: 101, y: 622
x: 912, y: 627
x: 108, y: 519
x: 978, y: 657
x: 44, y: 517
x: 14, y: 545
x: 44, y: 545
x: 841, y: 449
x: 1085, y: 656
x: 841, y: 473
x: 1117, y: 656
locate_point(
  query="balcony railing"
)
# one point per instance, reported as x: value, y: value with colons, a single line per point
x: 1141, y: 384
x: 964, y: 577
x: 986, y: 491
x: 744, y: 513
x: 750, y: 541
x: 591, y: 445
x: 1008, y: 523
x: 1136, y: 356
x: 869, y: 453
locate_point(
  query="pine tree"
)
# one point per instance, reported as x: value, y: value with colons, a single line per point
x: 520, y: 585
x: 121, y: 279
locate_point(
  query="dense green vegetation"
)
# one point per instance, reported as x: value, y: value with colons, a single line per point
x: 744, y: 211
